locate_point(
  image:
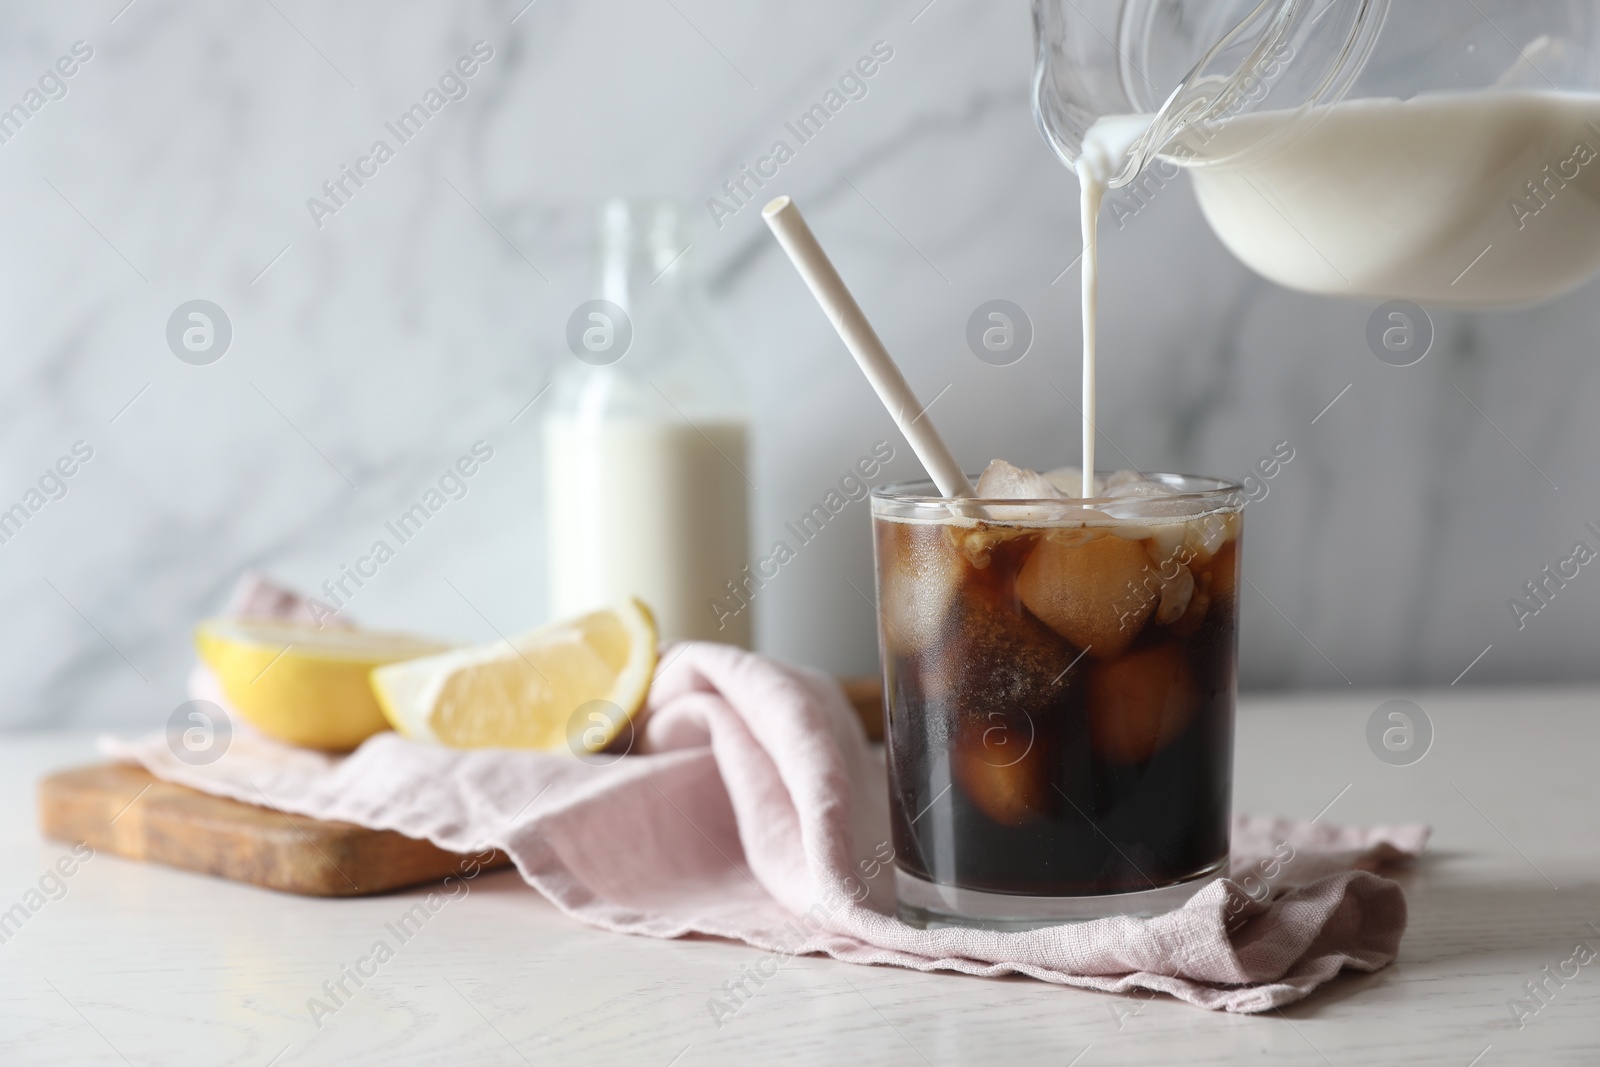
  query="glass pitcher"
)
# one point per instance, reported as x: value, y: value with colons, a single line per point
x: 1433, y: 150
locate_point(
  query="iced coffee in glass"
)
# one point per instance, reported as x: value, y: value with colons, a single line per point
x: 1059, y: 681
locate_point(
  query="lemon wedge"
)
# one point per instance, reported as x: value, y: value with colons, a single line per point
x: 572, y: 684
x: 301, y: 684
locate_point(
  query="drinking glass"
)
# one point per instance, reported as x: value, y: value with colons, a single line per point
x: 1059, y: 679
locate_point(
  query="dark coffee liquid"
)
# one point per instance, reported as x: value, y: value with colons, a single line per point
x: 1021, y: 761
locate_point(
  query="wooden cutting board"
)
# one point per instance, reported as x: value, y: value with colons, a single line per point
x: 124, y: 810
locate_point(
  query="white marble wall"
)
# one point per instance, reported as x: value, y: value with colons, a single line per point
x: 430, y: 309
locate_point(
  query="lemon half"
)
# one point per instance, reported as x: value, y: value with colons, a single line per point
x: 527, y: 692
x: 301, y: 684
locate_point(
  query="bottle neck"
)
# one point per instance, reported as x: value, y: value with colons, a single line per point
x: 675, y: 366
x: 641, y: 248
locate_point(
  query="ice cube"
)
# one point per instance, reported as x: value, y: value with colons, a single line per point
x: 1208, y: 533
x: 1140, y: 702
x: 1176, y: 592
x: 1070, y: 481
x: 1125, y: 485
x: 977, y: 543
x: 1097, y: 592
x: 994, y: 657
x: 921, y: 569
x: 1001, y: 769
x: 1001, y: 481
x: 1222, y: 577
x: 1165, y: 541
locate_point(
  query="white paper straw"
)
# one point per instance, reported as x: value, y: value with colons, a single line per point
x: 789, y: 226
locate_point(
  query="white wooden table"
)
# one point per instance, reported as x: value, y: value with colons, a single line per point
x: 143, y: 965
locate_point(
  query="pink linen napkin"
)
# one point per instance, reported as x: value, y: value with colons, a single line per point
x: 753, y: 808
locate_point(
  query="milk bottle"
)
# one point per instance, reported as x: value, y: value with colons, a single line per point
x: 645, y: 449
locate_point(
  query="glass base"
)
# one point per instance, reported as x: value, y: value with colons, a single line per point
x: 928, y: 905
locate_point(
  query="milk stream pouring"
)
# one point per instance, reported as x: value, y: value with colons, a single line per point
x: 645, y: 448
